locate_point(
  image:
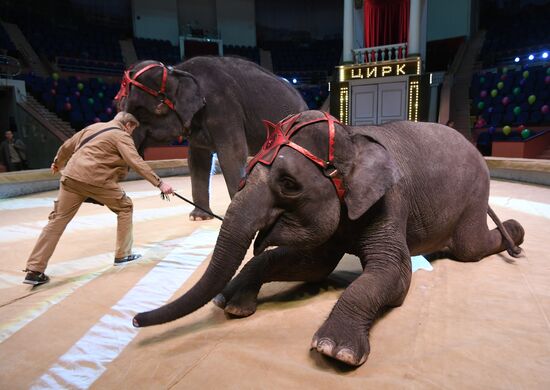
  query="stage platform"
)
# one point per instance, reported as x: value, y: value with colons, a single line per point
x: 463, y: 325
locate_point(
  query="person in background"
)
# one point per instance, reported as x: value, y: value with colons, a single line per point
x: 13, y: 154
x: 92, y: 162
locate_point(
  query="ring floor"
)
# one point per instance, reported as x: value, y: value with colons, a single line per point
x: 463, y: 325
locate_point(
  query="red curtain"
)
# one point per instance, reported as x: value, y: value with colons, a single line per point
x: 386, y: 22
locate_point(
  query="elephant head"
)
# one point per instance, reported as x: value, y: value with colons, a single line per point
x: 163, y: 99
x: 291, y: 198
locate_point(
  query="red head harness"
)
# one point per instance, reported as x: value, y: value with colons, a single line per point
x: 127, y: 80
x: 278, y: 135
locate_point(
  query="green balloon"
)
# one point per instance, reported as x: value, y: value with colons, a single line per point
x: 91, y: 100
x: 506, y: 130
x: 100, y: 95
x: 548, y: 70
x: 525, y: 74
x: 480, y: 105
x: 525, y: 133
x: 55, y: 76
x: 494, y: 92
x: 504, y: 70
x: 516, y: 91
x: 100, y: 80
x: 531, y: 99
x: 80, y: 86
x: 517, y: 110
x: 500, y: 85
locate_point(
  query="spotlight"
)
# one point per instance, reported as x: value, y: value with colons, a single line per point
x: 294, y: 81
x: 545, y: 55
x: 516, y: 59
x: 531, y: 57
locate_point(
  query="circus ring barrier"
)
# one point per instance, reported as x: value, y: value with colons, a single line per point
x: 39, y: 180
x: 12, y: 184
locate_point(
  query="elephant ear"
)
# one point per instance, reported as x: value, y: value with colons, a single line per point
x: 188, y: 98
x: 373, y: 172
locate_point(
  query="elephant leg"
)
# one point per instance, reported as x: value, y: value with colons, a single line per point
x: 232, y: 156
x: 239, y: 298
x: 200, y: 161
x: 472, y: 239
x: 384, y: 283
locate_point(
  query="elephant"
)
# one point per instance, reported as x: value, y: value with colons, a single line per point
x: 217, y: 103
x: 321, y: 189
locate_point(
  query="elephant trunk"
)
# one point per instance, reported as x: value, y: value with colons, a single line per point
x: 238, y: 229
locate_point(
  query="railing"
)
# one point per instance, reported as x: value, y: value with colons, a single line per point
x: 380, y: 53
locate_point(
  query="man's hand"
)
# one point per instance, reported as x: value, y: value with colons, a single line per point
x: 165, y: 188
x: 54, y: 168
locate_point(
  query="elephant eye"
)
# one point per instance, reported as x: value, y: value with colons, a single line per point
x: 289, y: 186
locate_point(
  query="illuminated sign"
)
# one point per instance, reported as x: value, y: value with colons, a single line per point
x: 363, y: 72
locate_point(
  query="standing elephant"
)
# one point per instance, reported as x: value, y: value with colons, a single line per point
x: 217, y: 103
x: 320, y: 190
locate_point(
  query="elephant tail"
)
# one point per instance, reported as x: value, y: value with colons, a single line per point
x: 513, y: 250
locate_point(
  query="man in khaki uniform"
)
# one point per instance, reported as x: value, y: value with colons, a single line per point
x: 93, y: 161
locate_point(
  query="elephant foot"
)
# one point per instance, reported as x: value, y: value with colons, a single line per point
x: 199, y: 215
x: 344, y: 344
x: 241, y: 304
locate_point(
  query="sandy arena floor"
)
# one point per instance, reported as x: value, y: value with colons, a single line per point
x: 480, y: 325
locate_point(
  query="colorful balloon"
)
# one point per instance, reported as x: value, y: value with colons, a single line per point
x: 100, y: 95
x: 80, y: 86
x: 494, y: 93
x: 480, y: 105
x: 91, y: 100
x: 525, y: 74
x: 525, y: 133
x: 482, y: 79
x: 492, y: 130
x: 483, y: 93
x: 500, y: 85
x: 505, y: 70
x: 548, y: 70
x: 506, y: 130
x: 68, y: 106
x: 55, y: 76
x: 521, y: 127
x: 490, y: 109
x: 77, y: 93
x: 517, y: 90
x: 53, y: 91
x: 531, y: 99
x: 503, y: 77
x: 109, y: 110
x: 547, y: 80
x: 96, y: 119
x: 517, y: 110
x: 545, y: 109
x: 505, y: 100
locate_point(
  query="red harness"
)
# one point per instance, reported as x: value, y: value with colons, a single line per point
x: 127, y: 80
x: 278, y: 135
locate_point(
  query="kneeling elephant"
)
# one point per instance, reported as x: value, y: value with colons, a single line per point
x: 321, y: 189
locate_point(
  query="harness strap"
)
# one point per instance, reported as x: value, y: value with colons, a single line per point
x: 127, y: 80
x: 279, y: 135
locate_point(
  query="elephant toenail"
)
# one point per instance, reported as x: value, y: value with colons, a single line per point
x: 346, y: 355
x: 325, y: 346
x: 219, y: 300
